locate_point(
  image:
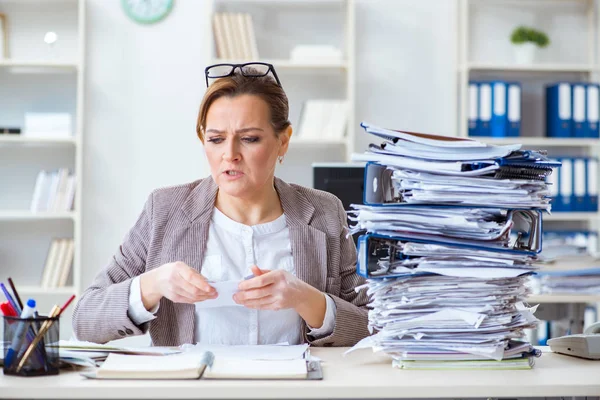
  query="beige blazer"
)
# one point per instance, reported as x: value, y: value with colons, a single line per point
x: 174, y: 226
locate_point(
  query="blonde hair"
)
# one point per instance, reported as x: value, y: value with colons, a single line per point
x: 236, y: 85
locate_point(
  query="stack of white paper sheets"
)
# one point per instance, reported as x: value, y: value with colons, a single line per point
x: 445, y: 273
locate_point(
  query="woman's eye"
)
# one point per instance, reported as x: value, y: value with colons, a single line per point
x: 250, y: 139
x: 215, y: 140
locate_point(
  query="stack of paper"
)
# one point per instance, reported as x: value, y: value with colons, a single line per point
x: 448, y: 255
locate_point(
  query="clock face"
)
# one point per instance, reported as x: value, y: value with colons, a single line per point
x: 147, y: 11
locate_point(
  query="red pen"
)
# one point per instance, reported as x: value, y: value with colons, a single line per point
x: 66, y: 304
x: 8, y: 310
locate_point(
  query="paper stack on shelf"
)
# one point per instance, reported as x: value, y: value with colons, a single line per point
x: 453, y: 227
x: 323, y: 120
x: 53, y: 191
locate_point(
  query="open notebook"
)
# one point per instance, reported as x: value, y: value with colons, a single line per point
x: 197, y: 365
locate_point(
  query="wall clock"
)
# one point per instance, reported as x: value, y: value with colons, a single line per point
x: 147, y: 11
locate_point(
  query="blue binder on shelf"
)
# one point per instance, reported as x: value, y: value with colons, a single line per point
x: 565, y: 179
x: 592, y: 101
x: 499, y: 128
x: 578, y: 107
x: 373, y: 247
x: 473, y: 117
x: 558, y: 110
x: 579, y: 196
x: 485, y: 109
x: 591, y: 178
x: 514, y: 109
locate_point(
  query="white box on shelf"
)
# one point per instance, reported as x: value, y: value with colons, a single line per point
x: 315, y: 53
x: 55, y: 125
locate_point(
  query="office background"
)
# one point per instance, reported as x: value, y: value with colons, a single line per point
x: 143, y: 85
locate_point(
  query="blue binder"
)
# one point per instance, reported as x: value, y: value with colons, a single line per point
x: 473, y: 117
x: 553, y: 186
x: 514, y: 109
x: 592, y: 184
x: 592, y: 100
x: 578, y: 107
x: 499, y: 127
x: 566, y: 185
x: 558, y: 110
x: 485, y: 109
x: 579, y: 196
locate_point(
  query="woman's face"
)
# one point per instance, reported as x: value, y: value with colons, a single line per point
x: 241, y: 145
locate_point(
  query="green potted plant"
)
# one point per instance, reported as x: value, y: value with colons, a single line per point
x: 526, y: 42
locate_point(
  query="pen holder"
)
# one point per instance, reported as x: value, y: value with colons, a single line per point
x: 31, y: 346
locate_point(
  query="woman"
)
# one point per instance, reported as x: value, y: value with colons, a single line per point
x: 287, y: 240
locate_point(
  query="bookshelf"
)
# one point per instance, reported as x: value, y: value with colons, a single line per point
x: 38, y: 78
x: 485, y: 53
x: 279, y: 26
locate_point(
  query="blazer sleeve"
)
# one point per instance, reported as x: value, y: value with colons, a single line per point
x: 101, y: 312
x: 351, y: 317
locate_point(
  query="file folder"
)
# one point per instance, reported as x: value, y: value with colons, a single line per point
x: 558, y: 110
x: 525, y: 239
x: 592, y: 109
x: 592, y: 184
x: 514, y: 109
x: 499, y: 127
x: 473, y: 118
x: 578, y: 106
x: 578, y: 199
x: 485, y: 109
x: 566, y: 184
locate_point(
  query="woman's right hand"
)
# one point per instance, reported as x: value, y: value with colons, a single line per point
x: 176, y: 281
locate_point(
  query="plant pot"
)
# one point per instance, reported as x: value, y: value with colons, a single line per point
x: 525, y: 53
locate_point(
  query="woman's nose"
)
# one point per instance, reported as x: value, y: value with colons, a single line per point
x: 231, y: 151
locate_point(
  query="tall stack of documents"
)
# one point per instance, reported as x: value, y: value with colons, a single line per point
x: 452, y: 229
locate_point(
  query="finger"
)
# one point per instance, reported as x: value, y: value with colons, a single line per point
x: 199, y: 281
x: 253, y: 294
x: 192, y: 291
x: 257, y: 271
x: 258, y: 281
x: 268, y: 303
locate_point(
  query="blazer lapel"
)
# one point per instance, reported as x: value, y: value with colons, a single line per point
x: 309, y: 245
x: 198, y: 208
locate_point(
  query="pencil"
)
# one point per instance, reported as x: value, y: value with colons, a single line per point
x: 45, y: 326
x: 14, y: 289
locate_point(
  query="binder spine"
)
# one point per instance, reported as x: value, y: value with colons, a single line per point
x: 473, y: 118
x: 566, y: 184
x: 499, y: 126
x: 579, y: 185
x: 558, y: 110
x: 514, y: 109
x: 485, y: 109
x: 592, y: 184
x: 578, y: 106
x: 592, y: 109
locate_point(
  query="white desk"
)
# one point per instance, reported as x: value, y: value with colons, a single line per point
x: 359, y: 375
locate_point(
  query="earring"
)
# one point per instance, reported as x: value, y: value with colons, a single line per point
x: 280, y: 158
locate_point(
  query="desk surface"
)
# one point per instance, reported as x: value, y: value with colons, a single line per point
x: 358, y: 375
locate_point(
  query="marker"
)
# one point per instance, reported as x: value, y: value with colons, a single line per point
x: 20, y: 332
x: 8, y: 310
x: 10, y: 298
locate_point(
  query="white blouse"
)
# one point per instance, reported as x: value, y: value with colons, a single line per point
x: 231, y: 250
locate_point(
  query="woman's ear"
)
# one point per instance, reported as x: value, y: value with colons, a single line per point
x: 285, y: 137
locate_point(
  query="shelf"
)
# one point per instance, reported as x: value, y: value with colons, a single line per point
x: 531, y: 68
x: 540, y: 141
x: 287, y: 64
x: 563, y: 298
x: 20, y: 139
x: 570, y: 216
x: 65, y: 290
x: 25, y: 215
x: 317, y: 142
x: 39, y: 66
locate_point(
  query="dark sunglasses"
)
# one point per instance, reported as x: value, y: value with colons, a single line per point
x: 256, y: 69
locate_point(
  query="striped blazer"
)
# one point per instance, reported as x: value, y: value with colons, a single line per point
x: 174, y: 226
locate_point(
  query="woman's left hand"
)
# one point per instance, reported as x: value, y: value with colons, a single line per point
x: 279, y: 290
x: 271, y: 290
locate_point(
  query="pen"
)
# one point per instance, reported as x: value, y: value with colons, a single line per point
x: 14, y: 289
x: 20, y: 333
x: 10, y: 298
x: 7, y: 309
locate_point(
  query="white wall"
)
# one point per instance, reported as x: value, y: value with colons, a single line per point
x: 144, y: 85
